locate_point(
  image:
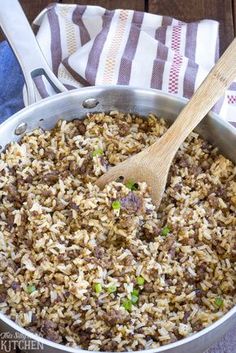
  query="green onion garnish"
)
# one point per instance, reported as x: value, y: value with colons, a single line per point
x: 112, y: 288
x: 97, y: 152
x: 98, y: 288
x: 116, y: 205
x: 165, y: 231
x: 135, y: 296
x: 135, y: 292
x: 134, y: 299
x: 31, y: 288
x: 140, y: 281
x: 219, y: 302
x: 131, y: 185
x: 127, y: 304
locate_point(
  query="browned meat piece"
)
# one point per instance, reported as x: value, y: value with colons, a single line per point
x: 104, y: 162
x: 195, y: 170
x: 114, y: 317
x: 50, y: 154
x: 169, y: 242
x: 74, y: 168
x: 186, y: 316
x: 73, y: 206
x: 206, y: 146
x: 144, y: 126
x: 50, y: 331
x: 188, y: 241
x: 199, y: 293
x: 213, y: 200
x: 183, y: 162
x: 10, y: 220
x: 110, y: 346
x: 20, y: 231
x: 87, y: 166
x: 13, y: 194
x: 81, y: 127
x: 149, y: 234
x: 148, y: 287
x: 134, y: 249
x: 99, y: 252
x: 19, y: 180
x: 3, y: 293
x: 197, y: 326
x: 201, y: 271
x: 51, y: 178
x: 29, y: 179
x: 124, y: 128
x: 178, y: 187
x: 46, y: 193
x: 3, y: 297
x: 128, y: 260
x: 205, y: 165
x: 83, y: 334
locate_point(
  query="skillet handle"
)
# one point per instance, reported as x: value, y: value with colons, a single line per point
x: 24, y: 44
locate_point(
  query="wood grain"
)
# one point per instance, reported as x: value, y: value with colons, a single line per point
x: 31, y: 9
x: 138, y: 5
x: 234, y: 14
x: 186, y: 10
x: 192, y: 10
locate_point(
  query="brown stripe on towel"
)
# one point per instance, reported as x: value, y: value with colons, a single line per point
x: 56, y: 51
x: 75, y: 74
x: 162, y: 53
x: 77, y: 19
x: 95, y: 53
x: 192, y: 67
x: 130, y: 49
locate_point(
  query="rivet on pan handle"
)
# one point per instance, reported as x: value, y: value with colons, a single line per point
x: 22, y: 40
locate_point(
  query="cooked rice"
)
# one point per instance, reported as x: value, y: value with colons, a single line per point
x: 63, y: 246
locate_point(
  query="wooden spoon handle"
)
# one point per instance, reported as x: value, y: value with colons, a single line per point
x: 211, y: 89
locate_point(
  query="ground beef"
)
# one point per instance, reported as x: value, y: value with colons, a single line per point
x: 81, y: 127
x: 51, y: 178
x: 13, y: 194
x: 114, y: 317
x: 50, y: 331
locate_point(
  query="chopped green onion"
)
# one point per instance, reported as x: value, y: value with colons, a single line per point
x: 127, y: 304
x: 140, y: 281
x: 219, y: 302
x: 116, y: 205
x: 131, y: 185
x: 31, y: 288
x: 98, y: 288
x: 135, y: 296
x: 135, y: 292
x: 134, y: 299
x: 97, y: 152
x: 165, y: 231
x: 112, y: 288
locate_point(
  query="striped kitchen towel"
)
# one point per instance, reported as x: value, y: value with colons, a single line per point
x: 89, y: 45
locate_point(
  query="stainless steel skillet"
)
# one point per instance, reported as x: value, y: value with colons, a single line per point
x: 75, y: 104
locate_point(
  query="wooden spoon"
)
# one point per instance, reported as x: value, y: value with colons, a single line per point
x: 153, y: 163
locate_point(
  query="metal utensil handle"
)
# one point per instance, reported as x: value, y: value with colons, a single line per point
x: 24, y: 44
